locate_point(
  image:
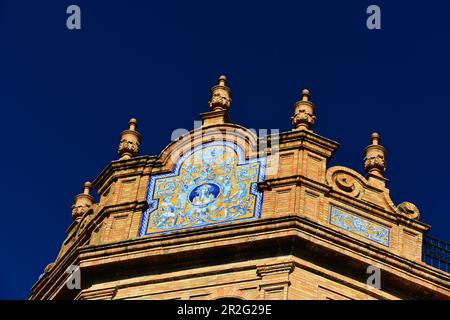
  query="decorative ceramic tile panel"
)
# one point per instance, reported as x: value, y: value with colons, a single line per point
x: 360, y: 226
x: 211, y: 184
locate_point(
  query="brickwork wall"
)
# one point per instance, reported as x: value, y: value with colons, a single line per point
x: 301, y: 186
x: 277, y: 278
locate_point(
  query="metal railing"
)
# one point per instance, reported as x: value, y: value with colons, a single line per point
x: 436, y: 253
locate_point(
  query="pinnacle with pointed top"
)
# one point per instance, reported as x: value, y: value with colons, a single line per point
x: 87, y: 187
x: 132, y: 124
x: 374, y: 156
x: 222, y: 80
x: 305, y: 95
x: 130, y: 140
x: 220, y: 95
x: 303, y: 118
x: 82, y: 202
x: 375, y: 138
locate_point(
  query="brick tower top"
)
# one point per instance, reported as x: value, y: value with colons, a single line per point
x: 222, y: 209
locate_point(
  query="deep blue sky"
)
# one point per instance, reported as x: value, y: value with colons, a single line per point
x: 66, y: 95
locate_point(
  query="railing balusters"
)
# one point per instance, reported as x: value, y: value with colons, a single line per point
x: 436, y: 253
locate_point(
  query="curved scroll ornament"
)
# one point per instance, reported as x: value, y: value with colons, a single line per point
x: 409, y: 209
x: 345, y: 180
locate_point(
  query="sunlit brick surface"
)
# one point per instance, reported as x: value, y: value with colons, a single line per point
x: 291, y: 251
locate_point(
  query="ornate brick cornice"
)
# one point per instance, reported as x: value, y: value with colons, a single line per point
x: 284, y: 268
x: 122, y: 168
x: 298, y: 180
x: 294, y: 227
x: 99, y: 294
x: 215, y: 117
x: 303, y: 139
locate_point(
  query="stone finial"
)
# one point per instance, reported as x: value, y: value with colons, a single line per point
x: 374, y: 160
x: 130, y: 140
x: 303, y: 118
x: 82, y: 202
x: 220, y: 95
x: 409, y: 209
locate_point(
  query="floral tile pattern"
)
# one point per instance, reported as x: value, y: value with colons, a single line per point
x: 211, y: 184
x: 360, y: 226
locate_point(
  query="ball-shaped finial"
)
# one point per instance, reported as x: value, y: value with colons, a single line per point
x: 132, y: 124
x: 222, y: 80
x: 305, y: 95
x: 375, y: 138
x: 87, y: 187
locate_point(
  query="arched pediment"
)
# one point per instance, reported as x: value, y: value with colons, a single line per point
x: 229, y: 132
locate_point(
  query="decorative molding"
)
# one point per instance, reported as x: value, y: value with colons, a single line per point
x: 128, y: 146
x: 187, y: 241
x: 275, y: 280
x: 99, y: 294
x: 374, y: 162
x: 285, y: 267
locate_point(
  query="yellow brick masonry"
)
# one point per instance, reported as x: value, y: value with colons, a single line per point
x: 291, y: 252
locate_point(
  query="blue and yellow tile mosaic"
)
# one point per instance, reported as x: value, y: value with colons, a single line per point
x: 360, y: 226
x: 211, y: 184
